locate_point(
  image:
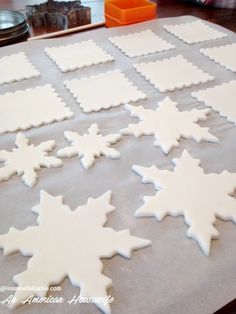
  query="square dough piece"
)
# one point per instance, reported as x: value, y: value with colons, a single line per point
x: 79, y: 55
x: 103, y: 91
x: 194, y: 32
x: 141, y: 43
x: 16, y: 67
x: 31, y: 108
x: 173, y: 73
x: 220, y: 98
x: 224, y: 55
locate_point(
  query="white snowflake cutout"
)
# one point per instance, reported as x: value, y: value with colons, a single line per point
x: 168, y: 124
x: 90, y: 145
x: 188, y: 191
x: 25, y: 159
x: 70, y: 244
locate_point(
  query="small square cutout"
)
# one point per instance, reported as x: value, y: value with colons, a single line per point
x: 79, y: 55
x: 221, y: 99
x: 224, y: 55
x: 173, y: 73
x: 16, y: 67
x: 103, y: 91
x: 194, y: 32
x: 141, y: 43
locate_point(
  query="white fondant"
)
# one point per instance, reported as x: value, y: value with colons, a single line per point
x: 16, y: 67
x: 141, y: 43
x: 90, y: 145
x: 78, y: 55
x: 188, y: 191
x: 172, y: 73
x: 22, y: 110
x: 103, y: 91
x: 194, y: 32
x: 70, y: 244
x: 25, y: 159
x: 168, y: 124
x: 220, y: 98
x: 224, y: 55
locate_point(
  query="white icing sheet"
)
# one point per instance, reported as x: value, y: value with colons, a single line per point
x: 16, y: 67
x: 224, y: 55
x: 32, y: 107
x: 172, y: 73
x: 194, y: 32
x: 221, y: 99
x: 188, y: 191
x: 68, y: 243
x: 168, y: 124
x: 103, y: 91
x: 27, y: 158
x: 78, y: 55
x: 90, y: 145
x: 141, y: 43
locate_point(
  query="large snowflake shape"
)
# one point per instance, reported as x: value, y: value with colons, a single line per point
x: 69, y: 244
x: 25, y: 159
x: 188, y: 191
x: 90, y: 145
x: 168, y: 124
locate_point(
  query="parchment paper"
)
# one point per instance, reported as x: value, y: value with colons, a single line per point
x: 173, y: 275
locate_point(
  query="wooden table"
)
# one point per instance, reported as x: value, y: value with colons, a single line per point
x: 166, y: 8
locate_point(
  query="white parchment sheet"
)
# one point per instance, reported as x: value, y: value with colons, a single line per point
x: 173, y: 275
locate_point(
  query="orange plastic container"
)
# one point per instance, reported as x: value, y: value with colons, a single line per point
x: 124, y: 12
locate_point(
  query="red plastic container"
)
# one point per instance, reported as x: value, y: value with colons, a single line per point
x: 124, y: 12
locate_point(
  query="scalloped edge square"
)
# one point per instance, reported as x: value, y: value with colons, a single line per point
x: 28, y: 108
x: 16, y: 67
x: 223, y: 55
x: 166, y: 75
x: 103, y: 91
x: 220, y: 98
x: 75, y: 56
x: 194, y: 32
x: 140, y: 43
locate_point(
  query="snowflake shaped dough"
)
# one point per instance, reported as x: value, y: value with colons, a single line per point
x: 168, y: 124
x: 70, y: 245
x: 90, y: 145
x: 141, y: 43
x: 25, y: 159
x: 188, y: 191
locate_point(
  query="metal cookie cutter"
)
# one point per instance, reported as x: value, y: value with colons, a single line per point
x: 58, y: 14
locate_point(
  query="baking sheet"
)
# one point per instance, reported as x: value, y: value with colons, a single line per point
x: 173, y: 275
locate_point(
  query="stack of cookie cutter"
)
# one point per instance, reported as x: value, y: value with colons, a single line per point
x: 59, y: 14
